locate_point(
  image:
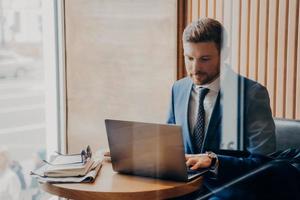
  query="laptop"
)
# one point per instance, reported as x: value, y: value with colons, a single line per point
x: 148, y: 149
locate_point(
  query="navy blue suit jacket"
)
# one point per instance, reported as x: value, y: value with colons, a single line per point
x: 258, y: 129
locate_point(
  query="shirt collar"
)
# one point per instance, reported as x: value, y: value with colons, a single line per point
x: 213, y: 86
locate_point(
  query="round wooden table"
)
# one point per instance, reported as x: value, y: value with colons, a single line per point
x: 112, y: 185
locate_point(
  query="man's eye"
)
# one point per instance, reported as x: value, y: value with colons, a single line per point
x: 190, y: 58
x: 205, y: 59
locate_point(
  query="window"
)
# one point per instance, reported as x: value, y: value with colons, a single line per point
x: 27, y: 104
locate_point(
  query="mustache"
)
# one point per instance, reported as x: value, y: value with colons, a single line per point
x: 198, y: 73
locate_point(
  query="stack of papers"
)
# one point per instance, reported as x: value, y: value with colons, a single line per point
x: 69, y: 169
x: 61, y: 167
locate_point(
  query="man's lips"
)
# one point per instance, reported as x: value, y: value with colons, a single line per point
x: 198, y: 74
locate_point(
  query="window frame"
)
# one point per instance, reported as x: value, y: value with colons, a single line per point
x: 54, y: 55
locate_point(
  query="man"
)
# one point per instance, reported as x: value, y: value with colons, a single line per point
x: 196, y: 106
x: 10, y: 186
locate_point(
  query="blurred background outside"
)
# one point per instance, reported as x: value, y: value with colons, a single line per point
x: 22, y: 98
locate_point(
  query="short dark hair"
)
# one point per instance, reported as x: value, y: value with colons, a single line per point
x: 205, y: 30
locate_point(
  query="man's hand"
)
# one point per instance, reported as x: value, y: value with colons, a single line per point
x: 198, y: 161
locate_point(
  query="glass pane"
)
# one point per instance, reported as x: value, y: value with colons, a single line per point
x: 22, y: 98
x: 130, y: 53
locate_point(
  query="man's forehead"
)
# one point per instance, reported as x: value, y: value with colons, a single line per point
x: 202, y: 48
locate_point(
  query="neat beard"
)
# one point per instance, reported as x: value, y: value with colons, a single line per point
x: 201, y: 78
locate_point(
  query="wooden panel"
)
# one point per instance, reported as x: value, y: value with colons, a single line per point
x: 272, y: 52
x: 227, y: 17
x: 298, y: 67
x: 291, y: 60
x: 253, y: 39
x: 235, y: 43
x: 195, y: 14
x: 211, y: 8
x: 281, y: 58
x: 181, y: 24
x: 263, y: 41
x: 244, y: 49
x: 189, y: 8
x: 202, y: 8
x: 113, y: 69
x: 219, y: 10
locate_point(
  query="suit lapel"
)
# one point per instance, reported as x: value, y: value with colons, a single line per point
x: 187, y: 135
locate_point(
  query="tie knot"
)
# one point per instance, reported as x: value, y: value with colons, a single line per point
x: 202, y: 93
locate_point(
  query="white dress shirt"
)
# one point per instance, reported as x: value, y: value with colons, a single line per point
x: 209, y: 102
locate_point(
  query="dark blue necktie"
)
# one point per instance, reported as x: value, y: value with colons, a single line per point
x: 199, y: 129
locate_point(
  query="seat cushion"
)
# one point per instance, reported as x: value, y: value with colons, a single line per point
x: 287, y: 133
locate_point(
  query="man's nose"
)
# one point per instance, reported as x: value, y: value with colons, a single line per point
x: 196, y: 65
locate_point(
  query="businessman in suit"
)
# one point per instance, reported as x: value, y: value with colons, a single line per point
x: 196, y: 105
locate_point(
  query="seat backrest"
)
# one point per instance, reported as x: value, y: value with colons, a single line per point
x: 287, y: 133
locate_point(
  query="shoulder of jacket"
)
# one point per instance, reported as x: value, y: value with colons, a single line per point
x: 183, y: 81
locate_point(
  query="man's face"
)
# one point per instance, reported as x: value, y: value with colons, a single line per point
x: 202, y: 61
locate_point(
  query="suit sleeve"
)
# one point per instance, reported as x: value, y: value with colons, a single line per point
x: 231, y: 167
x: 258, y: 121
x: 171, y: 114
x: 259, y: 130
